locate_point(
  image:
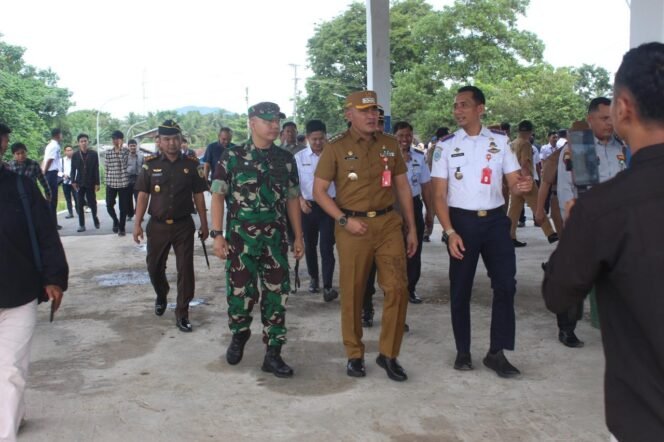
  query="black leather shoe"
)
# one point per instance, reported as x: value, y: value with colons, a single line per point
x: 463, y: 362
x: 81, y: 229
x: 313, y: 286
x: 406, y: 328
x: 367, y: 318
x: 518, y: 243
x: 184, y: 325
x: 70, y: 216
x: 273, y: 363
x: 521, y: 224
x: 159, y: 306
x: 116, y: 229
x: 330, y: 295
x: 96, y: 221
x: 235, y: 350
x: 499, y: 363
x: 122, y: 232
x: 59, y: 227
x: 414, y: 299
x: 553, y: 238
x: 569, y: 339
x: 355, y: 368
x: 392, y: 368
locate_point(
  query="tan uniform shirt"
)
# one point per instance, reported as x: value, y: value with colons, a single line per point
x: 356, y: 167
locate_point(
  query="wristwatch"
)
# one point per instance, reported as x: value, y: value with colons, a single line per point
x: 215, y: 233
x: 343, y: 220
x: 446, y: 235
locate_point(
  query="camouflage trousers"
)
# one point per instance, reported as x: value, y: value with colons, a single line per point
x: 258, y: 250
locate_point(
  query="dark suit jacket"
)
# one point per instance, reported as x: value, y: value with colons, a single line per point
x: 85, y: 169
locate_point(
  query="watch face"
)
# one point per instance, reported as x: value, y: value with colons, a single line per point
x: 343, y: 220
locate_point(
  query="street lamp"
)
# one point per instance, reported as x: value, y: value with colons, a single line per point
x: 99, y: 111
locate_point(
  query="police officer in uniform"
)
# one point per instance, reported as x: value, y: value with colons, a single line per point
x: 467, y: 175
x: 367, y: 168
x: 168, y: 180
x: 259, y: 183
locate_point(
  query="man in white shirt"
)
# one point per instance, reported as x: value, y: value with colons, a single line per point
x: 549, y: 148
x: 51, y: 167
x: 315, y: 222
x: 67, y: 188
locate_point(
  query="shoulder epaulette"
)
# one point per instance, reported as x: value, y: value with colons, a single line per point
x: 498, y: 131
x: 150, y: 157
x: 192, y: 156
x: 337, y: 137
x: 447, y: 137
x: 389, y: 135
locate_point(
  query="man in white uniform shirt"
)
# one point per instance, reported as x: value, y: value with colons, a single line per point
x: 467, y: 175
x: 52, y: 171
x: 315, y: 222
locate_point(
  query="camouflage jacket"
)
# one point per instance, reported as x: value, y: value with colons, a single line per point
x: 256, y: 183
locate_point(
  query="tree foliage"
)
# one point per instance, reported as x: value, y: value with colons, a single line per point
x: 433, y: 52
x: 31, y: 103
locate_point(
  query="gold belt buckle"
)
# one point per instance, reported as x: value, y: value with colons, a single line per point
x: 169, y: 221
x: 371, y: 214
x: 481, y: 213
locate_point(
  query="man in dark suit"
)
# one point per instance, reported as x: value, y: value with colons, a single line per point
x: 85, y: 180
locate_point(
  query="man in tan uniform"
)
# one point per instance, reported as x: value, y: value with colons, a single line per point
x: 367, y: 168
x: 524, y: 153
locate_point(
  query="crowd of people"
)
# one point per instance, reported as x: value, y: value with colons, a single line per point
x: 375, y: 195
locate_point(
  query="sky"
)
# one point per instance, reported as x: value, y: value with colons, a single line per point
x: 126, y: 56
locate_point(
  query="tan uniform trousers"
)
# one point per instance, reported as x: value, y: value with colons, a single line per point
x: 516, y: 205
x: 383, y: 242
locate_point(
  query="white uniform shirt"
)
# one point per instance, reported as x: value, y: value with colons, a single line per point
x: 546, y: 151
x: 52, y: 152
x: 307, y: 161
x: 467, y: 155
x: 610, y: 163
x: 418, y: 172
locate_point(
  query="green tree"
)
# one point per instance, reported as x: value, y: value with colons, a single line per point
x: 31, y: 103
x: 592, y: 81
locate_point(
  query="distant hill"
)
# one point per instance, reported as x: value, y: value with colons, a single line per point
x: 203, y: 110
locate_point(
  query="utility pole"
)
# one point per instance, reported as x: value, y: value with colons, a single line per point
x: 295, y: 79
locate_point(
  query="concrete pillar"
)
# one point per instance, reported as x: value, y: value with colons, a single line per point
x: 378, y: 55
x: 646, y: 22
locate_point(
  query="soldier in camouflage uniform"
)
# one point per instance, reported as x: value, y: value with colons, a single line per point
x: 259, y: 183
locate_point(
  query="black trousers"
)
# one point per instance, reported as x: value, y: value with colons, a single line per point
x: 86, y: 197
x: 488, y: 237
x: 124, y: 197
x: 414, y: 263
x: 52, y: 180
x: 133, y: 195
x: 180, y: 236
x: 70, y: 194
x: 567, y: 321
x: 315, y: 224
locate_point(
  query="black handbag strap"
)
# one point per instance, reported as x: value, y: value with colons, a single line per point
x: 31, y: 227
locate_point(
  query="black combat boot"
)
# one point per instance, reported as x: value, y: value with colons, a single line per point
x: 236, y: 349
x: 274, y: 364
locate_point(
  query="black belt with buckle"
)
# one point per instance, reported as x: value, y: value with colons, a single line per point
x: 477, y: 213
x: 370, y: 214
x: 170, y: 220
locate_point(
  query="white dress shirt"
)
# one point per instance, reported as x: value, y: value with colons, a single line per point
x: 467, y: 155
x: 52, y: 152
x: 307, y: 161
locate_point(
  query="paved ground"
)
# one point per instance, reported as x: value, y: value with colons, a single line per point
x: 108, y: 369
